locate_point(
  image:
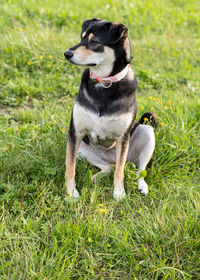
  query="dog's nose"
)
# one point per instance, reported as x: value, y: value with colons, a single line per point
x: 68, y: 54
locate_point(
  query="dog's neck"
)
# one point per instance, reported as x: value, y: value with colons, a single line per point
x: 105, y: 70
x: 102, y: 70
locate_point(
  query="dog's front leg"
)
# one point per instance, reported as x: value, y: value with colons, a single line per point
x: 122, y: 145
x: 71, y: 152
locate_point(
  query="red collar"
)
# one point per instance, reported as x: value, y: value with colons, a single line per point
x: 106, y: 82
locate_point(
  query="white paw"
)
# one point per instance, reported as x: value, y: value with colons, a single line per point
x: 119, y: 194
x: 73, y: 192
x: 142, y: 186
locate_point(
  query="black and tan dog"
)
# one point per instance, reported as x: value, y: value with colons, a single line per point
x: 103, y: 127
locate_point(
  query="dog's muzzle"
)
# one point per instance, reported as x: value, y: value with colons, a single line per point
x: 68, y: 55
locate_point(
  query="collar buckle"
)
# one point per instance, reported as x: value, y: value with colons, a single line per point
x: 106, y: 84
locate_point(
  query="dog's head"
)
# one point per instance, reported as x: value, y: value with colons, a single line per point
x: 102, y: 44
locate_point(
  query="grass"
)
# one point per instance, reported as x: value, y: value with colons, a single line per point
x: 44, y: 235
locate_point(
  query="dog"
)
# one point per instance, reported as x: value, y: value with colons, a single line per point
x: 103, y: 126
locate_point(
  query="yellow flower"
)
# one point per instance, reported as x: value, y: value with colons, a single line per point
x: 169, y: 102
x: 162, y: 124
x: 6, y: 149
x: 152, y: 108
x: 90, y: 240
x: 29, y: 63
x: 146, y: 119
x: 41, y: 56
x: 100, y: 205
x: 142, y: 107
x: 50, y: 65
x: 50, y: 56
x: 112, y: 165
x: 165, y: 107
x: 102, y: 210
x: 153, y: 98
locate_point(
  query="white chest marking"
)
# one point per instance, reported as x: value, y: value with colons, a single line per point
x: 104, y: 127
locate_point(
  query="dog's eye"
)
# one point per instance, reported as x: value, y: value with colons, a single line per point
x: 94, y: 41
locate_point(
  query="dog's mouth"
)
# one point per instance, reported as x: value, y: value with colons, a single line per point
x: 92, y: 64
x: 89, y: 64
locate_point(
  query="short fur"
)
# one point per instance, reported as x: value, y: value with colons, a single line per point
x: 103, y: 127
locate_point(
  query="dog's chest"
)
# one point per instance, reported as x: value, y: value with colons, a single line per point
x: 100, y: 128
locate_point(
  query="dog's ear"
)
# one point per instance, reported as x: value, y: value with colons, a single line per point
x: 116, y: 32
x: 87, y: 22
x: 127, y: 48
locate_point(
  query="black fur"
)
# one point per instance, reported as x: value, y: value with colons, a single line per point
x: 152, y: 119
x: 72, y: 137
x: 120, y: 97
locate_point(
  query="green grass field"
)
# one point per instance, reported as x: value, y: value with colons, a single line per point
x: 43, y: 235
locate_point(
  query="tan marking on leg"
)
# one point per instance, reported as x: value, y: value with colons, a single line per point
x: 71, y: 153
x: 121, y: 155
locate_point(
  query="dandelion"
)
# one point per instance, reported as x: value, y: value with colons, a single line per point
x: 100, y: 205
x: 142, y: 107
x: 108, y: 245
x: 169, y: 102
x: 152, y: 108
x: 29, y: 63
x: 50, y: 56
x: 6, y: 149
x: 165, y: 107
x: 153, y: 98
x: 63, y: 129
x: 21, y: 29
x: 41, y: 56
x: 162, y: 124
x: 146, y: 119
x: 102, y: 210
x: 112, y: 165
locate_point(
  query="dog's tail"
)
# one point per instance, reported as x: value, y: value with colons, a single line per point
x: 149, y: 117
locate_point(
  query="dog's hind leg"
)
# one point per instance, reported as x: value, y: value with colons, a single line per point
x: 98, y: 157
x: 141, y: 148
